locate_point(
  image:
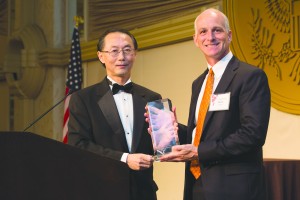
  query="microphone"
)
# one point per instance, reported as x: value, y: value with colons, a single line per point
x: 40, y: 117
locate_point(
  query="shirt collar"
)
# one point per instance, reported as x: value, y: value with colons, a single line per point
x: 113, y: 82
x: 220, y: 66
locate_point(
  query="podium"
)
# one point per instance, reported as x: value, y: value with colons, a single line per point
x: 37, y: 168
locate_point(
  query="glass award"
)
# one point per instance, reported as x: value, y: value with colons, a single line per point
x: 161, y: 121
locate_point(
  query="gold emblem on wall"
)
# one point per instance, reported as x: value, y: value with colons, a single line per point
x: 266, y: 34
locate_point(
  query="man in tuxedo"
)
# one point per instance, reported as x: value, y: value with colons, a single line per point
x: 225, y: 162
x: 108, y: 118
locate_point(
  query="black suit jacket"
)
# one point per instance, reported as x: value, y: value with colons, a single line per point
x: 230, y: 151
x: 95, y: 125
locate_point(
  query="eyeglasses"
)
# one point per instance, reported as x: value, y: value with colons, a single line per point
x: 115, y: 52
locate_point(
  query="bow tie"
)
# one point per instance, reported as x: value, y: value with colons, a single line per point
x: 126, y: 88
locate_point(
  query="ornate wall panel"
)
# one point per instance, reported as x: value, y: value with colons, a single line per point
x: 266, y: 34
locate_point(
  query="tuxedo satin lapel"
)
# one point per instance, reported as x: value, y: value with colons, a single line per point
x: 139, y: 120
x: 110, y: 112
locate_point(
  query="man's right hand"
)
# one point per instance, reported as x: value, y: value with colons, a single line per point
x: 139, y: 161
x: 181, y: 153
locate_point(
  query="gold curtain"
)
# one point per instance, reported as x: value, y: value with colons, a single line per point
x: 104, y: 14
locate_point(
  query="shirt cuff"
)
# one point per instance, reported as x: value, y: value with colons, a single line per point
x: 124, y: 157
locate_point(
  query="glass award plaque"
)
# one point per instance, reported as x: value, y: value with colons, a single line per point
x: 161, y: 121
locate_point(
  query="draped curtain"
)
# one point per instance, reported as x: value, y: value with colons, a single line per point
x: 3, y: 18
x: 103, y: 14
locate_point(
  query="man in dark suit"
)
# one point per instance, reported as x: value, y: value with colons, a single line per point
x: 108, y: 119
x: 228, y: 155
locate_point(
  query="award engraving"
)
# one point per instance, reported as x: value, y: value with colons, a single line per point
x: 161, y: 122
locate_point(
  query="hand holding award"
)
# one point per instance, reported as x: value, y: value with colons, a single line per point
x: 161, y: 120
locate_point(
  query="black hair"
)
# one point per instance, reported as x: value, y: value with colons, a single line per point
x: 114, y: 30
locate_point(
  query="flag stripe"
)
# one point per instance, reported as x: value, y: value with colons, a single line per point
x: 74, y: 78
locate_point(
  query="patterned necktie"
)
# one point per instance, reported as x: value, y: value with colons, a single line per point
x: 195, y: 168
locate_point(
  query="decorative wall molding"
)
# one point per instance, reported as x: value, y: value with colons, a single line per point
x: 21, y: 66
x: 54, y: 57
x: 160, y: 34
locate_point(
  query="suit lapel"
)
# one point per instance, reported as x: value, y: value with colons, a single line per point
x: 224, y: 83
x: 227, y: 77
x: 109, y: 109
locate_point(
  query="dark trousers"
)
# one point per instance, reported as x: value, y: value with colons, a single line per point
x: 198, y: 190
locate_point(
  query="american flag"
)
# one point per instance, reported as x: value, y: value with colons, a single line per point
x: 74, y: 78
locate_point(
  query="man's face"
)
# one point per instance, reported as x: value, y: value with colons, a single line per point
x: 119, y: 65
x: 211, y: 36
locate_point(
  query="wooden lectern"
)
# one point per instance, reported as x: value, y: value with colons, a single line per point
x: 37, y: 168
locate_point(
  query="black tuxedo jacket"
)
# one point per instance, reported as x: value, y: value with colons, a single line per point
x: 230, y: 151
x: 95, y: 125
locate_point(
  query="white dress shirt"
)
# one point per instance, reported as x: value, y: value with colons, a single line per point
x: 218, y: 70
x: 125, y: 108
